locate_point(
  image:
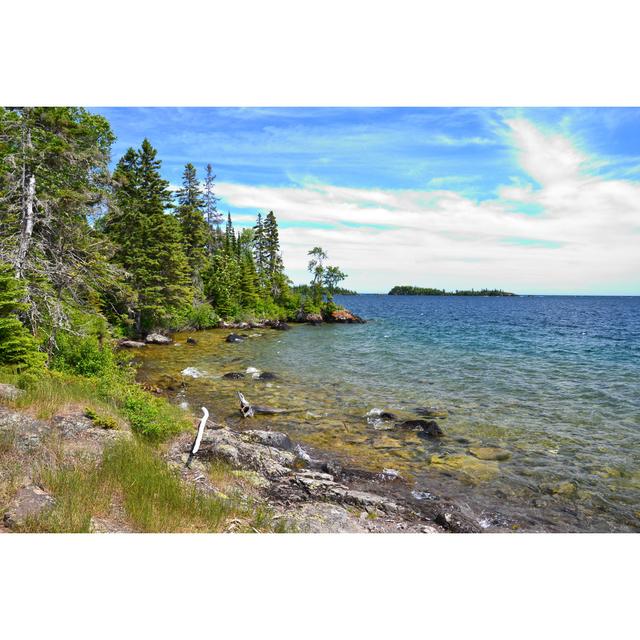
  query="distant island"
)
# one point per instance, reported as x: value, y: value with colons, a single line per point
x: 406, y: 290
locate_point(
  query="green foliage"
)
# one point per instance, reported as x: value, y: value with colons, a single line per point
x: 152, y: 418
x: 17, y: 346
x: 150, y: 244
x: 202, y: 316
x: 100, y: 420
x: 325, y: 277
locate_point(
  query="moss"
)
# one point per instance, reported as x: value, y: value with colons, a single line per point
x: 471, y: 469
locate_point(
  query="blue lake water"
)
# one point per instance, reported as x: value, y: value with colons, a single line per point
x: 552, y: 380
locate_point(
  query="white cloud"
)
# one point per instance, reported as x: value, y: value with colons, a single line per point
x: 440, y: 238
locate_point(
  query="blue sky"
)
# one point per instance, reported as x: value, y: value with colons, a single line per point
x: 532, y: 200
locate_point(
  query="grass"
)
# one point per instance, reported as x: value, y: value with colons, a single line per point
x: 114, y: 399
x: 10, y: 469
x: 153, y: 497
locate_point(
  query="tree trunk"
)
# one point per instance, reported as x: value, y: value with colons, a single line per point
x: 28, y: 212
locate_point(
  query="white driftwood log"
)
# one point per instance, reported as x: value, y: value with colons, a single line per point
x: 245, y: 408
x: 196, y: 443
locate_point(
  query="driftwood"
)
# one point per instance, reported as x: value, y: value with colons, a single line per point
x: 245, y: 408
x: 248, y: 410
x: 196, y: 442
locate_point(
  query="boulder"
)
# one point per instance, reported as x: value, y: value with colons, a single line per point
x: 28, y: 503
x: 241, y: 451
x: 425, y: 428
x: 344, y: 316
x: 269, y: 438
x: 191, y: 340
x: 157, y: 338
x: 234, y: 337
x: 131, y: 344
x: 233, y: 375
x: 311, y: 318
x: 278, y: 325
x: 9, y: 392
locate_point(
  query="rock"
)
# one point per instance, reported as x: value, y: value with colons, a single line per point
x: 191, y: 340
x: 233, y: 375
x: 157, y: 338
x: 241, y: 452
x: 311, y: 318
x: 431, y: 412
x: 472, y: 469
x: 266, y: 375
x: 269, y: 438
x: 10, y: 392
x: 489, y: 453
x: 257, y: 325
x: 321, y: 517
x: 425, y: 428
x: 454, y: 521
x: 387, y: 415
x: 28, y: 503
x: 279, y: 325
x: 234, y: 337
x: 344, y: 316
x: 131, y: 344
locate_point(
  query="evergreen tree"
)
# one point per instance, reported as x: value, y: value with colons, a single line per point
x: 214, y: 217
x: 195, y: 232
x: 274, y: 266
x: 248, y: 283
x: 54, y: 182
x: 149, y: 241
x: 17, y: 346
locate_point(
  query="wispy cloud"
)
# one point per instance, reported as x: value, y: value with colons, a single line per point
x: 585, y: 235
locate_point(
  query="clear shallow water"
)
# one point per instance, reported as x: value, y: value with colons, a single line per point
x: 555, y: 381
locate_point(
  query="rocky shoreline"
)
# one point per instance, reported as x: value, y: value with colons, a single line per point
x: 309, y: 491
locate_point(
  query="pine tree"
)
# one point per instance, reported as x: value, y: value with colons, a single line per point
x: 195, y: 232
x: 149, y: 240
x: 274, y: 267
x: 53, y: 182
x: 248, y: 283
x: 214, y: 217
x: 17, y: 346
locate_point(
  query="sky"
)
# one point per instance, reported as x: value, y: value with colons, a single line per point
x: 534, y: 201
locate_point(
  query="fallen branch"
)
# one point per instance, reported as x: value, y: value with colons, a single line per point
x: 196, y: 442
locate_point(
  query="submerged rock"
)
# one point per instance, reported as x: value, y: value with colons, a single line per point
x: 191, y: 340
x: 425, y: 428
x: 233, y: 375
x: 266, y: 375
x: 431, y: 412
x: 157, y: 338
x: 489, y: 453
x: 234, y: 337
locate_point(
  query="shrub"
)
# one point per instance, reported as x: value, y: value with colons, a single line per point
x: 18, y: 348
x: 152, y: 418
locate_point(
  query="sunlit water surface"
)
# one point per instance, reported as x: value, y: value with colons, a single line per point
x: 554, y: 381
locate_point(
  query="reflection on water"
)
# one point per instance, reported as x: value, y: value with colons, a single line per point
x: 550, y: 382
